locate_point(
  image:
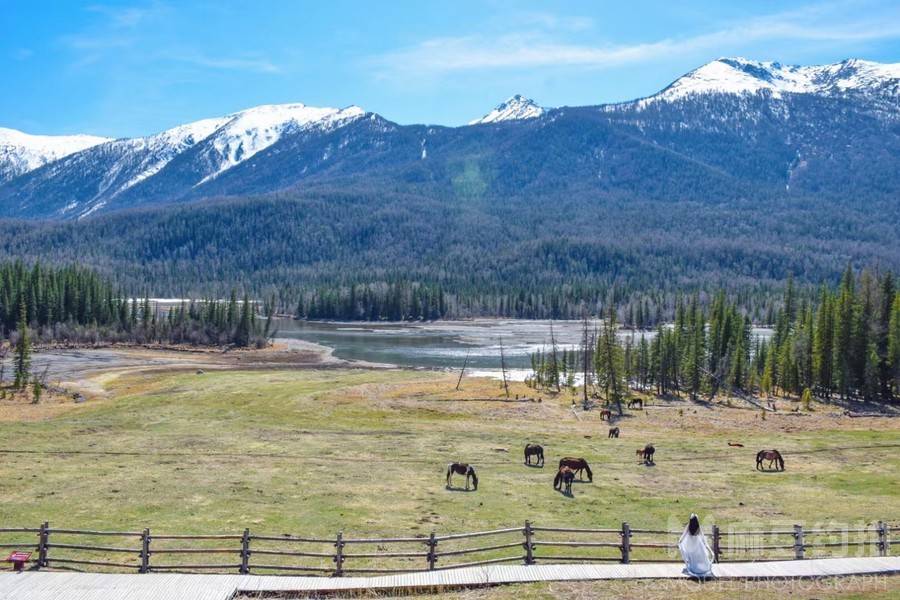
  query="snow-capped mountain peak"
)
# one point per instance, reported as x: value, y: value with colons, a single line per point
x: 516, y: 108
x: 250, y: 131
x: 22, y: 152
x: 215, y: 146
x: 743, y: 76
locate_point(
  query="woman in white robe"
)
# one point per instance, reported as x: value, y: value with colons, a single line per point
x: 697, y: 555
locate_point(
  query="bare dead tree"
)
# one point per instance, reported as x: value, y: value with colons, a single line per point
x: 465, y: 362
x: 554, y: 358
x: 585, y: 359
x: 503, y: 368
x: 4, y: 352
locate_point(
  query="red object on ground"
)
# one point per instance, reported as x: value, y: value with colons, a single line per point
x: 18, y: 559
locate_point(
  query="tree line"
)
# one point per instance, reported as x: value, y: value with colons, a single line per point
x: 844, y: 343
x: 43, y: 305
x: 489, y: 256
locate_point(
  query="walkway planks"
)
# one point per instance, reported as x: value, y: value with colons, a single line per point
x: 44, y: 585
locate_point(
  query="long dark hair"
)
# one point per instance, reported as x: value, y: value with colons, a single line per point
x: 694, y: 525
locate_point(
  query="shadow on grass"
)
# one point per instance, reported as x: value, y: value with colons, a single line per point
x: 451, y: 488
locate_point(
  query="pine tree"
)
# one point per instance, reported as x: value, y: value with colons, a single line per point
x: 823, y: 347
x: 870, y: 384
x: 610, y: 363
x: 244, y: 328
x: 231, y: 313
x: 768, y: 381
x: 843, y: 335
x: 696, y: 348
x: 806, y: 399
x: 23, y: 350
x: 882, y: 335
x: 894, y: 344
x: 737, y: 373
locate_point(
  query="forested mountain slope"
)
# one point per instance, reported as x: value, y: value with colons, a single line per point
x: 735, y: 175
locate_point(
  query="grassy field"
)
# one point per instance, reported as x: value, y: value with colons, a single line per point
x: 312, y: 452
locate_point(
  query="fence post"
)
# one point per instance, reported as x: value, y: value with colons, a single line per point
x: 528, y: 532
x: 432, y: 551
x: 887, y: 539
x: 798, y: 542
x: 145, y: 551
x: 339, y: 555
x: 626, y: 543
x: 245, y: 552
x: 43, y: 539
x: 882, y: 538
x: 717, y: 543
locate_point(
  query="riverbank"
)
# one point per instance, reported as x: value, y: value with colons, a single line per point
x: 86, y: 369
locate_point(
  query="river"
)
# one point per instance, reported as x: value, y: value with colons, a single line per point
x: 445, y: 344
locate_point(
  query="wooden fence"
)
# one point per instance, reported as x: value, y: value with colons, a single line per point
x: 145, y: 552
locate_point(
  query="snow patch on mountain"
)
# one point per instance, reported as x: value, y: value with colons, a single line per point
x: 248, y: 132
x: 516, y: 108
x: 156, y: 151
x: 22, y: 152
x: 742, y: 76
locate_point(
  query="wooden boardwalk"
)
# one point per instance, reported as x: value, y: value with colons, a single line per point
x: 44, y: 585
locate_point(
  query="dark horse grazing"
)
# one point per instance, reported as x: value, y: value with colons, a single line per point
x: 646, y: 453
x: 636, y: 403
x: 773, y: 456
x: 577, y: 465
x: 462, y: 469
x: 564, y: 477
x: 613, y: 432
x: 536, y: 451
x: 605, y: 413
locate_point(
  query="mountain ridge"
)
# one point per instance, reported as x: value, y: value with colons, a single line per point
x: 730, y: 128
x: 22, y: 152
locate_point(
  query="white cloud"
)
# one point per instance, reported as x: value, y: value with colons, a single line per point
x: 127, y: 17
x: 257, y: 65
x: 539, y: 48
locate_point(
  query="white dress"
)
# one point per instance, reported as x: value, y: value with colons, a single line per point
x: 697, y: 555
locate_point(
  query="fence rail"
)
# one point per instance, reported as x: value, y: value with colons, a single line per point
x: 145, y: 552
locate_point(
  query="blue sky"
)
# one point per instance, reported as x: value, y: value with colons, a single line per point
x: 134, y: 68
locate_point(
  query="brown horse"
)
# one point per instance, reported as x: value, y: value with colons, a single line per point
x: 537, y: 452
x: 636, y: 403
x: 577, y: 465
x: 773, y: 456
x: 462, y: 469
x: 646, y: 454
x: 564, y: 477
x: 605, y: 413
x: 613, y: 432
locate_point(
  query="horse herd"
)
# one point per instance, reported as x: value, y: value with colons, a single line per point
x: 571, y: 467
